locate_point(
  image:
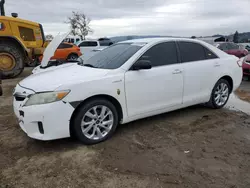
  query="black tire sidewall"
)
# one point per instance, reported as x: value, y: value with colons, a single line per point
x: 82, y: 110
x: 213, y: 93
x: 69, y: 57
x: 17, y: 54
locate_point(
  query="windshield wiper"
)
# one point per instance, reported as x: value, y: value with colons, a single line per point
x: 89, y: 65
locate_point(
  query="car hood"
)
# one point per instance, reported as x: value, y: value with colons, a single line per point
x: 50, y: 80
x: 38, y: 69
x: 51, y: 48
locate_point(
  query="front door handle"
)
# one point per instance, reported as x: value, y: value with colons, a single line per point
x: 177, y: 71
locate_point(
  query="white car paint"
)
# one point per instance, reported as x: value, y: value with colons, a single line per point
x: 51, y: 48
x: 141, y: 93
x: 89, y: 51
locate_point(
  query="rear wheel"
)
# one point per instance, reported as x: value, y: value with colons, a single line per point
x: 72, y: 57
x: 33, y: 63
x: 11, y: 60
x: 95, y: 121
x: 220, y: 94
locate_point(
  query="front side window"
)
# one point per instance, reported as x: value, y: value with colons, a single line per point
x: 113, y: 57
x: 161, y: 54
x: 88, y: 44
x: 26, y: 34
x: 190, y: 51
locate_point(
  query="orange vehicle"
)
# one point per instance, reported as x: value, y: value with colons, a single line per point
x: 66, y: 51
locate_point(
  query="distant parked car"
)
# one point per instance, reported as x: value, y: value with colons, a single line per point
x: 72, y: 39
x: 246, y: 67
x: 86, y: 56
x: 66, y: 51
x: 232, y: 49
x: 246, y: 46
x: 127, y: 81
x: 87, y: 46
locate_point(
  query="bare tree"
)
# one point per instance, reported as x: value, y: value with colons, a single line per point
x: 49, y: 37
x: 79, y: 24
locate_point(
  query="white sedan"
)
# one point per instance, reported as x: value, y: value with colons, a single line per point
x: 127, y: 81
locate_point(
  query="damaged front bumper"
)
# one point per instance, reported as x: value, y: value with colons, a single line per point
x: 43, y: 122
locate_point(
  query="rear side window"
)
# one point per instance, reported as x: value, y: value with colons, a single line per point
x: 88, y: 44
x: 64, y: 45
x: 190, y: 51
x: 161, y: 54
x: 223, y: 47
x: 26, y: 34
x: 232, y: 46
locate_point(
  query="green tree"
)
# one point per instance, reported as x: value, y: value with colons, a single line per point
x: 236, y: 37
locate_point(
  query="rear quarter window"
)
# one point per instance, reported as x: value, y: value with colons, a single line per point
x: 209, y: 54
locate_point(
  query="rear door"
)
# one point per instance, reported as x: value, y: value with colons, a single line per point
x: 159, y: 87
x: 201, y: 67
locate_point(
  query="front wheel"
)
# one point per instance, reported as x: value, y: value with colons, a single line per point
x: 220, y: 94
x: 95, y: 121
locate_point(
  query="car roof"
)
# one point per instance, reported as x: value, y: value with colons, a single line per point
x: 149, y: 40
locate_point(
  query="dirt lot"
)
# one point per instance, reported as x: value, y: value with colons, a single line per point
x: 193, y: 147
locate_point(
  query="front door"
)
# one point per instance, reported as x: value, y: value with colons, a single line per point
x: 156, y: 88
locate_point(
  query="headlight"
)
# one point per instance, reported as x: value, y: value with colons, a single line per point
x: 47, y: 97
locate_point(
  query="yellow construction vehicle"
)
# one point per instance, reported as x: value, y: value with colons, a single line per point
x: 21, y: 43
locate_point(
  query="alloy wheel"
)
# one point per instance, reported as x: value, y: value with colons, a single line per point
x: 97, y: 122
x: 221, y: 94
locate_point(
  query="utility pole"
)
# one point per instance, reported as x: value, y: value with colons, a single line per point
x: 2, y: 7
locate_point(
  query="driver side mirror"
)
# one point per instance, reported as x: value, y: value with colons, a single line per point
x: 142, y: 64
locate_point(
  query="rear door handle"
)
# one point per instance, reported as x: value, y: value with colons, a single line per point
x: 216, y: 65
x: 177, y: 71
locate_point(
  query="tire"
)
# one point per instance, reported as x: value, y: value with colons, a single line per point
x: 12, y: 51
x: 72, y: 57
x: 33, y: 63
x: 216, y: 103
x: 83, y: 117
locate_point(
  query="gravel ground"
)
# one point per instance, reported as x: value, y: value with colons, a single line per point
x: 192, y: 147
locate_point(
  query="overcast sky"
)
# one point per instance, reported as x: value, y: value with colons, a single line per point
x: 139, y: 17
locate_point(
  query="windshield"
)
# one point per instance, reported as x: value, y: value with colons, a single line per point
x: 114, y: 56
